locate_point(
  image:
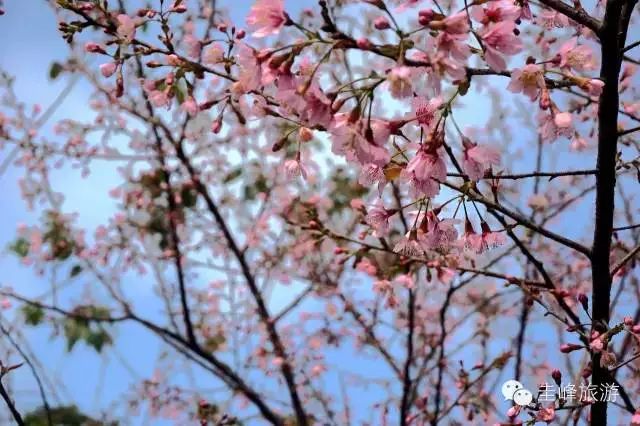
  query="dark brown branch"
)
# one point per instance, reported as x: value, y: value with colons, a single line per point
x: 550, y: 175
x: 27, y: 360
x: 612, y: 36
x: 173, y: 231
x: 631, y: 46
x: 624, y: 260
x: 521, y: 220
x: 12, y: 407
x: 577, y: 14
x: 263, y: 312
x: 629, y: 131
x: 406, y: 375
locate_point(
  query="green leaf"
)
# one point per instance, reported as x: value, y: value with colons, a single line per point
x: 75, y: 270
x: 74, y: 330
x: 98, y: 340
x: 33, y: 315
x: 20, y: 247
x: 179, y: 93
x: 55, y: 70
x: 213, y: 343
x: 232, y: 175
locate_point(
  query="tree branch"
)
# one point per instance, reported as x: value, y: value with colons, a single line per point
x: 12, y: 408
x: 578, y: 15
x: 612, y: 36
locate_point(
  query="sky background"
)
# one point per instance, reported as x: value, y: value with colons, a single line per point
x: 32, y: 43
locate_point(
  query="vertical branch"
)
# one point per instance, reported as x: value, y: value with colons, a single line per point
x: 43, y: 395
x: 12, y: 408
x: 612, y: 37
x: 406, y: 375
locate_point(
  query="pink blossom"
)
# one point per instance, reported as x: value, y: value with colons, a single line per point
x: 442, y: 64
x: 551, y: 127
x: 578, y: 143
x: 378, y: 218
x: 294, y: 168
x: 126, y: 28
x: 513, y: 412
x: 317, y: 370
x: 608, y: 359
x: 108, y: 69
x: 317, y: 108
x: 440, y: 234
x: 496, y: 11
x: 453, y: 45
x: 425, y: 111
x: 577, y: 57
x: 635, y: 419
x: 190, y: 106
x: 249, y: 79
x: 367, y: 267
x: 528, y: 80
x: 406, y: 4
x: 371, y: 174
x: 159, y: 98
x: 481, y: 242
x: 399, y: 80
x: 404, y: 281
x: 551, y: 19
x: 500, y: 38
x: 408, y: 245
x: 563, y: 120
x: 266, y: 17
x: 349, y: 139
x: 596, y: 344
x: 546, y: 414
x: 456, y: 24
x: 478, y: 158
x: 213, y: 54
x: 193, y: 45
x: 427, y: 170
x: 593, y: 86
x: 382, y: 286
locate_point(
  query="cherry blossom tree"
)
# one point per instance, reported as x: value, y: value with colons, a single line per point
x: 369, y: 212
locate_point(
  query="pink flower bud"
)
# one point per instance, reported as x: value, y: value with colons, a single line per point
x: 216, y: 126
x: 584, y: 301
x: 381, y: 23
x: 240, y: 34
x: 108, y: 69
x: 305, y: 134
x: 563, y: 119
x: 364, y: 43
x: 92, y: 47
x: 569, y: 347
x: 425, y: 16
x: 179, y: 9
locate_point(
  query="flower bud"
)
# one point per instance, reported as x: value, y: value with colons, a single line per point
x: 584, y: 301
x: 381, y: 23
x: 569, y: 347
